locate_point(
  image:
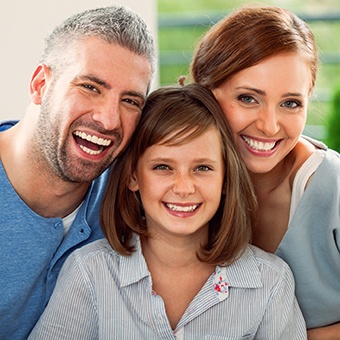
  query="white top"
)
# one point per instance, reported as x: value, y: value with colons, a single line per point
x: 67, y: 220
x: 302, y: 176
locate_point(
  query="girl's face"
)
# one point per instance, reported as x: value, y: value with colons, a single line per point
x: 181, y: 186
x: 266, y: 107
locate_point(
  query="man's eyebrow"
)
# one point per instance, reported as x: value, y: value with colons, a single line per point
x: 103, y: 83
x: 137, y: 94
x: 94, y: 79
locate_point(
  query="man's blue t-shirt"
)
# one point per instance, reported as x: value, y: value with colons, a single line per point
x: 33, y: 250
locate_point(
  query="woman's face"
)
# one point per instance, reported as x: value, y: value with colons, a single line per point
x: 266, y: 107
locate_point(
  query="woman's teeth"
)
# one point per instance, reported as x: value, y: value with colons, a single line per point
x: 259, y: 146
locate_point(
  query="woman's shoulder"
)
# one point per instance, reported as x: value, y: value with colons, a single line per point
x: 322, y: 147
x: 330, y: 158
x: 314, y: 142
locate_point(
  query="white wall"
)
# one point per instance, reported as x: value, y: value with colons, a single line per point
x: 23, y: 28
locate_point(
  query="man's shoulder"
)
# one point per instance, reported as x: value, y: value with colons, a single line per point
x: 7, y: 124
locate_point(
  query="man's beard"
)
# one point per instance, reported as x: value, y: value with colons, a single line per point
x: 54, y: 156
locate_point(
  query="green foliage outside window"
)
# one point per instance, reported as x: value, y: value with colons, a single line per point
x: 333, y: 122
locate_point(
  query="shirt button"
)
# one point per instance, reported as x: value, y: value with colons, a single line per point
x: 57, y: 225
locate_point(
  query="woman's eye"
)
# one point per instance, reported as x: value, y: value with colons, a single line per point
x: 291, y: 104
x: 247, y: 99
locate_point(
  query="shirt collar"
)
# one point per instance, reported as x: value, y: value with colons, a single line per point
x: 243, y: 273
x: 133, y: 268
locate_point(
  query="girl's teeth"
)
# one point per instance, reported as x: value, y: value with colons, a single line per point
x: 181, y: 208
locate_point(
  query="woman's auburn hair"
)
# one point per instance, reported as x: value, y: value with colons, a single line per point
x: 172, y: 116
x: 247, y: 36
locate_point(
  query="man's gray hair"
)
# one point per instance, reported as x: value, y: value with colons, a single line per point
x: 114, y: 24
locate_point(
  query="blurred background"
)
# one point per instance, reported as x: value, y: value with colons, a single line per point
x: 177, y: 25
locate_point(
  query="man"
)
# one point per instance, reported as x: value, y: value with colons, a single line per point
x: 86, y: 100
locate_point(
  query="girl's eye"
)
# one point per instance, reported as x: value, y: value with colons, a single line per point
x: 291, y: 104
x: 246, y: 99
x: 202, y: 168
x: 161, y: 167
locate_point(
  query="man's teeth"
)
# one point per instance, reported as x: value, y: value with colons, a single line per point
x: 89, y: 151
x: 93, y: 139
x: 259, y: 146
x: 189, y: 208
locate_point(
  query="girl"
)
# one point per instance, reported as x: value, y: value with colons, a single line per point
x: 176, y: 263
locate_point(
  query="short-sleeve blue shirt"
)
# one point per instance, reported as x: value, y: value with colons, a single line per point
x: 33, y: 250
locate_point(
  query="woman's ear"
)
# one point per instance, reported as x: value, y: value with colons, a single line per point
x: 133, y: 183
x: 39, y: 82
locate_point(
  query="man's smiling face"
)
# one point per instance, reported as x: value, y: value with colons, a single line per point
x: 90, y: 110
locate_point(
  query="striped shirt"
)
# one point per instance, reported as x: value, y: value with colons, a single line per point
x: 103, y: 295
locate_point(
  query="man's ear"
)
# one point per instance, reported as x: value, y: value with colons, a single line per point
x: 39, y: 82
x: 133, y: 183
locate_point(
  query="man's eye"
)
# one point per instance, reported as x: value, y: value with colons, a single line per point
x: 90, y: 87
x: 133, y: 102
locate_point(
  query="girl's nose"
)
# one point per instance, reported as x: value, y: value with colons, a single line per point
x: 184, y: 185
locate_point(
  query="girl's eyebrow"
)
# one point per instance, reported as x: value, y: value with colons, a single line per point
x: 196, y: 160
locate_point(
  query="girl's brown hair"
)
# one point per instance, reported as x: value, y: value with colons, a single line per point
x: 175, y: 115
x: 247, y: 36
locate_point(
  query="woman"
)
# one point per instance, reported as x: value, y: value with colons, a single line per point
x: 176, y: 263
x: 261, y: 63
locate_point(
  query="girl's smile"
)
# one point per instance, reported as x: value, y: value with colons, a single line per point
x: 181, y: 185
